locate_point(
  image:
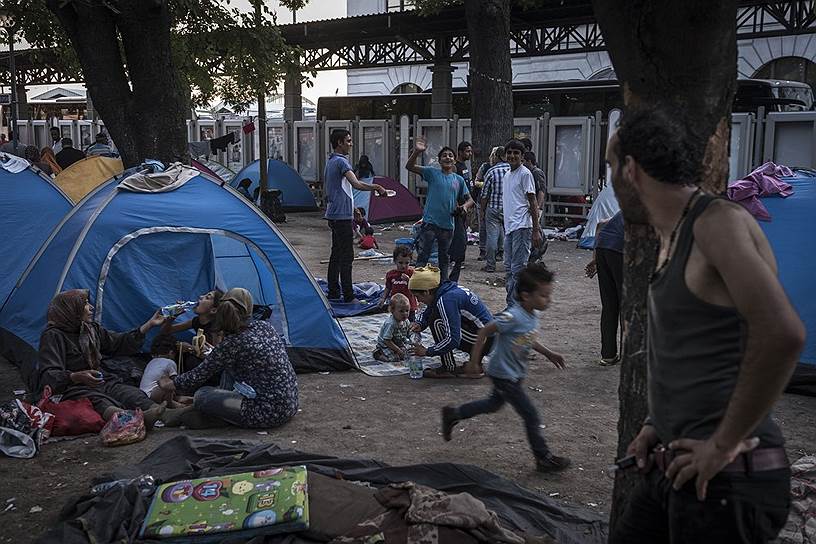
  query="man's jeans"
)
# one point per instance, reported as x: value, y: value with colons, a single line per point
x: 516, y: 254
x: 443, y: 237
x: 512, y: 393
x: 494, y: 225
x: 341, y: 259
x: 738, y: 508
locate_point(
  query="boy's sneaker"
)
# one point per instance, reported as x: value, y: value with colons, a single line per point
x: 609, y: 361
x: 552, y: 463
x: 449, y: 420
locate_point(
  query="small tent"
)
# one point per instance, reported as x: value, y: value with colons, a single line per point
x: 403, y: 206
x: 85, y: 175
x: 138, y: 250
x: 605, y: 206
x: 791, y: 235
x: 214, y: 169
x: 295, y: 194
x: 30, y: 207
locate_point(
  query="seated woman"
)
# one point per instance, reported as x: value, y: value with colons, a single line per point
x: 204, y: 319
x: 253, y: 359
x: 454, y: 315
x: 71, y: 349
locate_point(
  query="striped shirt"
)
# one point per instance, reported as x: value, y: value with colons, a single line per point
x: 492, y: 190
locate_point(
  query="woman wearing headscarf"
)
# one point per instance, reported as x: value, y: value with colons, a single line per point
x: 258, y: 384
x: 47, y: 157
x: 32, y: 155
x: 364, y: 168
x: 71, y: 349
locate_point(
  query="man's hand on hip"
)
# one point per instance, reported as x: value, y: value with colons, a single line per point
x: 703, y: 459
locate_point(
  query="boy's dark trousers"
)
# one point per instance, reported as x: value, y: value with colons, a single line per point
x: 610, y: 283
x: 739, y: 508
x: 341, y: 259
x: 511, y: 392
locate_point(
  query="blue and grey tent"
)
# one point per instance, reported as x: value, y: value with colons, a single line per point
x: 30, y: 207
x: 137, y: 245
x: 295, y: 194
x: 791, y: 235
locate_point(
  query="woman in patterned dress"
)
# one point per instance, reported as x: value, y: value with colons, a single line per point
x: 258, y: 385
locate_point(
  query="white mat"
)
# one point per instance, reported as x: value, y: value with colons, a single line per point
x: 362, y: 332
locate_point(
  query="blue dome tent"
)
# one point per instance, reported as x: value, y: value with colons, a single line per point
x: 30, y: 207
x: 791, y: 235
x: 136, y: 251
x: 295, y: 194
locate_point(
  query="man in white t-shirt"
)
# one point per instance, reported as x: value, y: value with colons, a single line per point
x: 521, y: 229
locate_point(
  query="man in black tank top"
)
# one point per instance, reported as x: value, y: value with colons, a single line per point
x: 722, y: 342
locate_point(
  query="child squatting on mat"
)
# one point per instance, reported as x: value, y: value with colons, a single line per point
x: 395, y: 331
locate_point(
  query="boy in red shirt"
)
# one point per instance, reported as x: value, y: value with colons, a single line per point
x: 396, y: 281
x: 368, y: 241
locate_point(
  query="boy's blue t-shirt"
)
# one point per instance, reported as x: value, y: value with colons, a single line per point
x: 515, y: 339
x: 339, y: 195
x: 443, y: 192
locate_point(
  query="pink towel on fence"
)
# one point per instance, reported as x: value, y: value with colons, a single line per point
x: 763, y: 181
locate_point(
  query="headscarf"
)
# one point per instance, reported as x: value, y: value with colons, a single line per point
x: 47, y: 156
x: 65, y: 313
x: 241, y: 299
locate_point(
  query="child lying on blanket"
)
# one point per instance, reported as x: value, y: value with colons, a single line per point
x: 394, y: 333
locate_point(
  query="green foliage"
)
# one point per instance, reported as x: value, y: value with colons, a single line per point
x: 219, y: 51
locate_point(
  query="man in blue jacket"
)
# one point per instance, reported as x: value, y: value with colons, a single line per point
x: 454, y: 315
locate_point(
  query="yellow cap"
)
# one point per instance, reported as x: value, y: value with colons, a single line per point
x: 424, y: 279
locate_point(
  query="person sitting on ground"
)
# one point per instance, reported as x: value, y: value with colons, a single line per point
x: 368, y: 241
x: 251, y: 359
x: 395, y: 331
x: 243, y: 188
x: 360, y: 223
x: 454, y: 315
x: 204, y: 319
x: 163, y: 350
x: 516, y: 336
x: 364, y: 168
x: 396, y: 280
x: 71, y: 349
x: 47, y: 156
x: 68, y: 155
x: 32, y: 155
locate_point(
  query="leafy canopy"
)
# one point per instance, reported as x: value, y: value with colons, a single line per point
x: 218, y: 50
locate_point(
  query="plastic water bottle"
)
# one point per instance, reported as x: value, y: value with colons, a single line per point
x: 414, y: 362
x: 179, y: 308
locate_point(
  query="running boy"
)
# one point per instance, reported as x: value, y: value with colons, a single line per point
x: 516, y: 335
x: 396, y: 281
x: 395, y: 331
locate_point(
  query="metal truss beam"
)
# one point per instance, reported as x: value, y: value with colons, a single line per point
x: 399, y: 39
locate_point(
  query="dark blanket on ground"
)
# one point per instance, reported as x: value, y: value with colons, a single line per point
x: 116, y: 515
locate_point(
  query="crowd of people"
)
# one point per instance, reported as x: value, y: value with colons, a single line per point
x: 60, y: 154
x: 721, y: 343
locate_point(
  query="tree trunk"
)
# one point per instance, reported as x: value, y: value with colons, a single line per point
x: 139, y: 97
x: 491, y: 75
x: 681, y: 55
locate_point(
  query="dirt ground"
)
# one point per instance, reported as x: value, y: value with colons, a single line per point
x: 396, y: 420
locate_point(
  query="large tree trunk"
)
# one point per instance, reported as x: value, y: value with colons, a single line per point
x: 139, y: 97
x: 491, y: 75
x: 681, y: 55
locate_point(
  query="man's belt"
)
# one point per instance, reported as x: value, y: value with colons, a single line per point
x: 759, y: 460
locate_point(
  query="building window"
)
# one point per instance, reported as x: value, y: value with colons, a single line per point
x: 406, y: 88
x: 606, y: 73
x: 789, y: 68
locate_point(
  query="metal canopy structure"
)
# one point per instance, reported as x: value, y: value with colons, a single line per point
x: 404, y: 37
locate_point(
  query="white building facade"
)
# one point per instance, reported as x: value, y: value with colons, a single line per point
x: 783, y: 57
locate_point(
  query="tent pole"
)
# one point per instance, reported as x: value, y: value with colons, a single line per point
x: 262, y: 143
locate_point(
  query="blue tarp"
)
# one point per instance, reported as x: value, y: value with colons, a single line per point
x: 367, y: 293
x: 792, y: 235
x: 138, y: 251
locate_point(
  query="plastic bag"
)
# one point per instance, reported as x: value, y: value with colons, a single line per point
x: 71, y: 417
x: 125, y: 427
x: 23, y: 427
